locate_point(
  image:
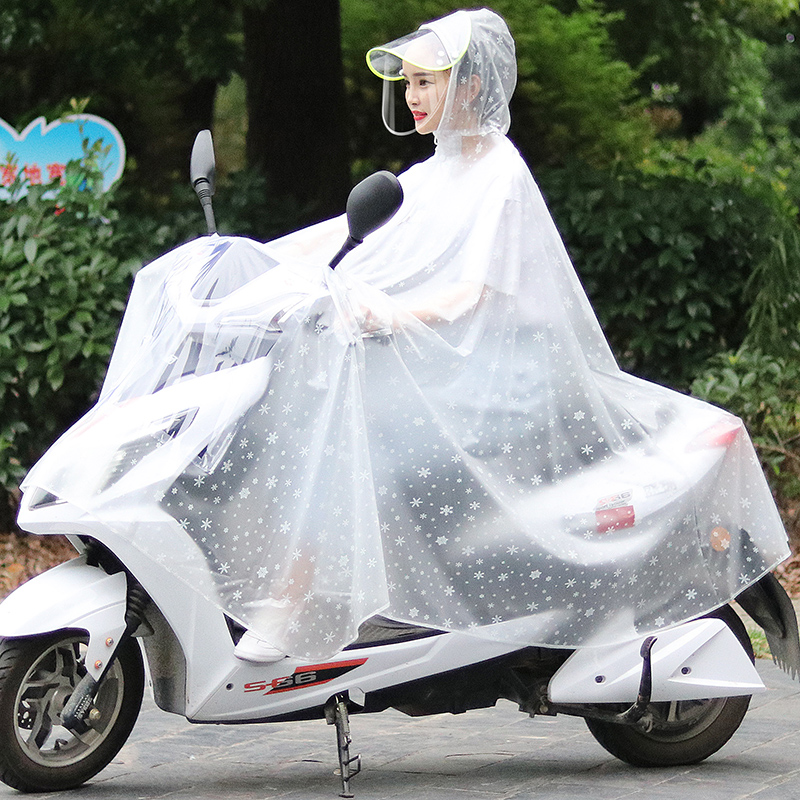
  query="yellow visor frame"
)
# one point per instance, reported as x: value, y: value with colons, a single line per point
x: 435, y: 47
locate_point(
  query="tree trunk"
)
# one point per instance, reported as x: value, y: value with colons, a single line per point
x: 295, y: 103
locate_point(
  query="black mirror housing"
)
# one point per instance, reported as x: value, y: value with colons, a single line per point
x: 371, y: 204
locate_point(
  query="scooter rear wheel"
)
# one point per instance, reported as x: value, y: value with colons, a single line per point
x: 37, y: 677
x: 684, y: 732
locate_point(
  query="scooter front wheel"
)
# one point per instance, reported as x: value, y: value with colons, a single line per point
x: 683, y: 732
x: 37, y: 676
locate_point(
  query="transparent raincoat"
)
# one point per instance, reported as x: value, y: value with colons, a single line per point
x: 437, y: 431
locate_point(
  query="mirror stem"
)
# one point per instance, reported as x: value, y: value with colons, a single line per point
x: 349, y: 245
x: 202, y: 188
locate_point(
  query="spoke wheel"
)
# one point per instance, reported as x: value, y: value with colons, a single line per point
x: 684, y: 731
x: 37, y: 678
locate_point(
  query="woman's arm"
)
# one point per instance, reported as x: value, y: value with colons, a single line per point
x: 443, y: 306
x: 448, y: 303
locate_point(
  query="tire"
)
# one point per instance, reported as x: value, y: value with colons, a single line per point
x: 37, y: 677
x: 684, y: 732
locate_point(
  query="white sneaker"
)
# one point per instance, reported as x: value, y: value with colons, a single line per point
x: 251, y: 648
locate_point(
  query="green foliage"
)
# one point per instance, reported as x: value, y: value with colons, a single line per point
x: 666, y: 260
x: 774, y: 316
x: 759, y: 642
x: 62, y: 292
x: 575, y: 97
x: 783, y: 62
x: 754, y: 146
x: 246, y: 206
x: 772, y: 293
x: 21, y: 23
x: 710, y: 51
x: 762, y: 389
x: 771, y: 144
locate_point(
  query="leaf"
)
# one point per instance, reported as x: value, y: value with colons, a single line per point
x: 33, y: 346
x: 55, y: 377
x: 8, y: 246
x: 22, y: 225
x: 30, y: 250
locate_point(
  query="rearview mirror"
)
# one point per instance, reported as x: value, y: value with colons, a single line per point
x: 371, y: 203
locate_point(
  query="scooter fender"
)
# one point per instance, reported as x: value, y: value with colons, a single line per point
x: 694, y: 661
x: 72, y: 595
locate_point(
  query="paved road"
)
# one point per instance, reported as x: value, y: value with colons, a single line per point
x: 489, y: 754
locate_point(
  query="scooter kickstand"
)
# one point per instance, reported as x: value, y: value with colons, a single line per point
x: 336, y: 714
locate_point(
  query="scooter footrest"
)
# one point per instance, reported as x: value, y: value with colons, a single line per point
x: 381, y: 630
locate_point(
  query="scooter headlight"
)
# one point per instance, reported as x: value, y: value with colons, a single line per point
x: 43, y: 499
x: 159, y: 433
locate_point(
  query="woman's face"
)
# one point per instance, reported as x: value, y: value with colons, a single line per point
x: 425, y: 94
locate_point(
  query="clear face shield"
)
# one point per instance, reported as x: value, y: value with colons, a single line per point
x: 434, y: 49
x: 394, y: 111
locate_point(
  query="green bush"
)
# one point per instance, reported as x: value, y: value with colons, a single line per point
x: 575, y: 96
x: 772, y: 294
x: 666, y: 260
x: 62, y: 293
x: 763, y: 390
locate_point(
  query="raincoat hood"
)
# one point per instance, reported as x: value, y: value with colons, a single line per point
x: 477, y: 49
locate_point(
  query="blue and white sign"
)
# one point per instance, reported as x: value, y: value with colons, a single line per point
x: 42, y: 151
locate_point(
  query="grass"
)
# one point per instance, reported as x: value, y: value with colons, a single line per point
x: 759, y: 641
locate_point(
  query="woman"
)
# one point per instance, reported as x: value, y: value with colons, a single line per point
x: 520, y: 480
x: 439, y: 432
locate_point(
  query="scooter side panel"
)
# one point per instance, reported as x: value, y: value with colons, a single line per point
x: 698, y: 660
x: 258, y: 691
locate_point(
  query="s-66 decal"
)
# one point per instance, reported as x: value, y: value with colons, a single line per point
x: 307, y: 675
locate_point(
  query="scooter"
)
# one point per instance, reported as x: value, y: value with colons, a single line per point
x: 74, y: 641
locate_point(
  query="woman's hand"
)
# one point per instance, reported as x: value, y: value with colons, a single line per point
x: 377, y: 322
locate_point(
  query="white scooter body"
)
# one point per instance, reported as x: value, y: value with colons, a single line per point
x: 195, y: 649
